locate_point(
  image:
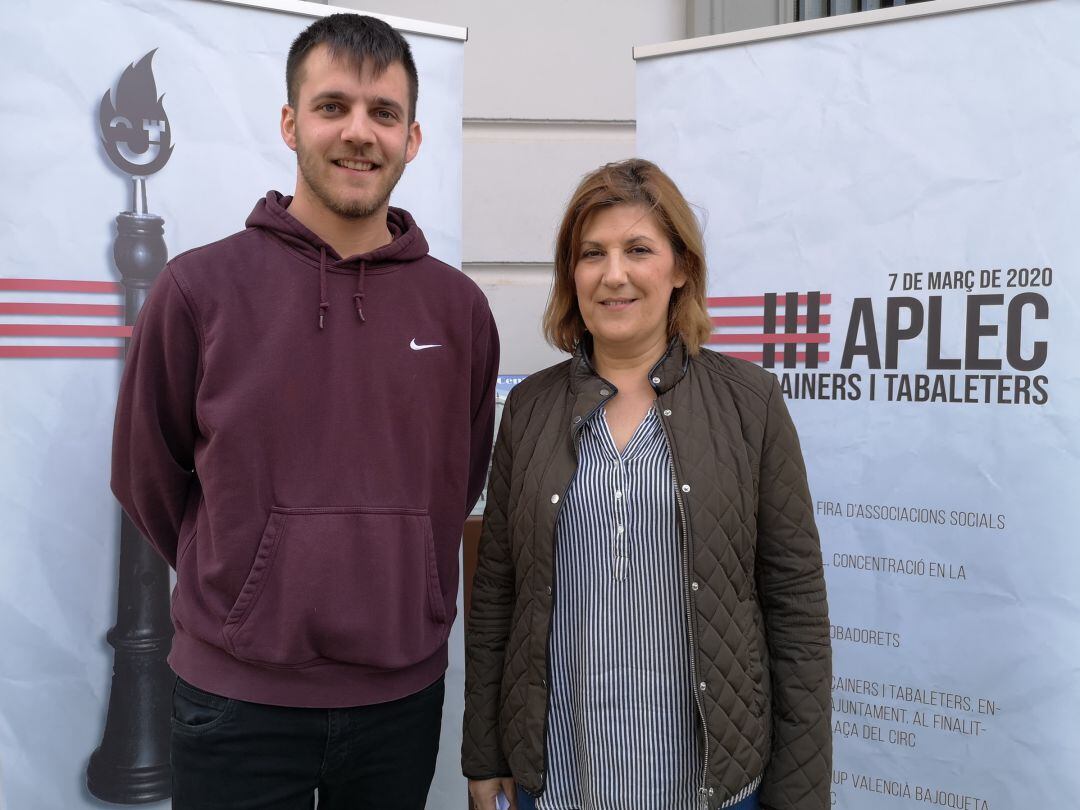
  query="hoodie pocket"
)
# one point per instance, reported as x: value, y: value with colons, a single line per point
x: 355, y: 585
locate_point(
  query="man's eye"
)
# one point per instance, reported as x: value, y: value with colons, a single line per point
x: 329, y: 107
x: 385, y: 115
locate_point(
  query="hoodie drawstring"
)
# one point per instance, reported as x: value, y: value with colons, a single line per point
x: 324, y: 303
x: 358, y: 296
x: 407, y: 244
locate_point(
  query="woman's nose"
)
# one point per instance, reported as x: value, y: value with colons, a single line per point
x: 614, y: 271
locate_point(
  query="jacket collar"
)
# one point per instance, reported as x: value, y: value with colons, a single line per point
x: 590, y: 390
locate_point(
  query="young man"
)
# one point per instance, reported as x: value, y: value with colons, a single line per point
x: 304, y: 423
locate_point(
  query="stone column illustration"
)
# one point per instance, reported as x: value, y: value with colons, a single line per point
x: 131, y: 765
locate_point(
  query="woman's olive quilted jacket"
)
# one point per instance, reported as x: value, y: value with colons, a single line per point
x: 759, y: 630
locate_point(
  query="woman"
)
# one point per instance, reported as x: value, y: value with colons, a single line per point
x: 648, y: 628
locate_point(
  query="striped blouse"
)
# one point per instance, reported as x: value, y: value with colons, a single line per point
x: 623, y: 732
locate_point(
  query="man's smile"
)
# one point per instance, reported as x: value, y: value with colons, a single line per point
x: 356, y: 165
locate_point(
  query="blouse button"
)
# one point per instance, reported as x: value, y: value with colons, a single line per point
x: 554, y: 498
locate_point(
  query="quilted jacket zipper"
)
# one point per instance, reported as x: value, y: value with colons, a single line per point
x: 684, y: 533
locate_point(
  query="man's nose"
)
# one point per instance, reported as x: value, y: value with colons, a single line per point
x: 357, y: 128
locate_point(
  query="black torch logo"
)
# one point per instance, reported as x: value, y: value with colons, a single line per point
x: 134, y: 127
x: 131, y: 765
x: 135, y: 130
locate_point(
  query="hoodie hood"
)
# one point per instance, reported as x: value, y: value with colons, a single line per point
x: 407, y: 245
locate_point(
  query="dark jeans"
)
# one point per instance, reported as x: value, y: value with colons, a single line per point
x: 231, y: 755
x: 527, y: 802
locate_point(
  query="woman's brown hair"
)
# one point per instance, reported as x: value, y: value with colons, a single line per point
x: 630, y: 182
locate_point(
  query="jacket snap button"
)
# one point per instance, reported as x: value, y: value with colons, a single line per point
x: 711, y: 791
x: 577, y: 419
x: 655, y: 380
x: 554, y: 498
x: 667, y: 411
x: 701, y: 686
x: 604, y: 392
x: 693, y: 586
x: 685, y: 487
x: 549, y: 590
x: 543, y: 682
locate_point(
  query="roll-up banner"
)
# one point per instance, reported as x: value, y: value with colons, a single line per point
x: 891, y: 204
x: 133, y: 132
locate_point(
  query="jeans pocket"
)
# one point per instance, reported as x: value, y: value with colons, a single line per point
x: 196, y: 711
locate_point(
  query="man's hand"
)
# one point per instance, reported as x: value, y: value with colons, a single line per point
x: 485, y: 791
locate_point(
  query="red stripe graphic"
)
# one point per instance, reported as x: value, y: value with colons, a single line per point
x: 62, y: 330
x: 777, y: 329
x: 89, y: 310
x: 758, y: 300
x: 762, y: 339
x: 103, y: 301
x: 759, y: 320
x: 60, y: 351
x: 59, y: 285
x: 757, y: 357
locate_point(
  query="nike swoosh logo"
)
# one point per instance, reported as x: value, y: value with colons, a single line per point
x: 418, y: 346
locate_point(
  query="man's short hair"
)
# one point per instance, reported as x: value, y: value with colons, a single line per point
x: 360, y: 40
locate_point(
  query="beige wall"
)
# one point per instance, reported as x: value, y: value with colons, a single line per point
x: 556, y: 59
x: 549, y: 95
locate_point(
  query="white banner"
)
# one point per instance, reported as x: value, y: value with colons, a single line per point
x: 892, y: 228
x: 220, y: 69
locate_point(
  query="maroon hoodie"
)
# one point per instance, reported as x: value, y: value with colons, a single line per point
x: 301, y: 436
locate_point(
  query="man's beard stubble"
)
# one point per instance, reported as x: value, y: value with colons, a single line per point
x: 355, y: 209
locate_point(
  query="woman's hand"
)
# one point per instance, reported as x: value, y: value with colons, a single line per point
x: 485, y: 791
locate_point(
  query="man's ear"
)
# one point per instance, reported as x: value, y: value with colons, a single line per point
x: 413, y: 144
x: 288, y: 126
